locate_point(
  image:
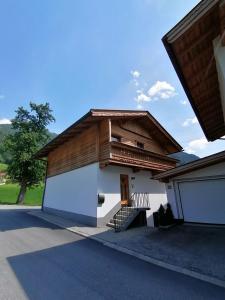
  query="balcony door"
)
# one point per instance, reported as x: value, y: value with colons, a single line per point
x: 124, y: 189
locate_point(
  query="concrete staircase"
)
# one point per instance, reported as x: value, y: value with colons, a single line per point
x: 124, y: 217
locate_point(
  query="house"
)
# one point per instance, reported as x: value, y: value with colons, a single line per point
x: 196, y: 47
x: 103, y: 164
x: 2, y: 177
x: 196, y: 191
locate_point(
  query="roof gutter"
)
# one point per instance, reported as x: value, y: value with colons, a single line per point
x: 192, y: 166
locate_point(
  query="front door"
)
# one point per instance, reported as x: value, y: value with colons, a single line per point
x: 124, y: 189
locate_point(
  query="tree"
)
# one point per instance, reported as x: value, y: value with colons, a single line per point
x: 162, y: 216
x: 169, y: 214
x: 29, y: 135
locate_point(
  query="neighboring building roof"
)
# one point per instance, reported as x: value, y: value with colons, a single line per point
x: 192, y: 166
x: 190, y: 47
x: 95, y: 115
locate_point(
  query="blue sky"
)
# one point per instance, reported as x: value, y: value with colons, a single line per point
x: 85, y: 54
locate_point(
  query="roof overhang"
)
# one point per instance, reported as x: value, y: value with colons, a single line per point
x: 192, y: 166
x: 191, y: 50
x: 95, y: 115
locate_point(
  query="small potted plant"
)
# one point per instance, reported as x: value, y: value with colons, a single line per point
x: 165, y: 217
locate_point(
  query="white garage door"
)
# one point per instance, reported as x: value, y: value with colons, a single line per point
x: 203, y: 201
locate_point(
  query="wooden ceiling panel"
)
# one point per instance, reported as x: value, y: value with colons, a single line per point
x: 192, y: 54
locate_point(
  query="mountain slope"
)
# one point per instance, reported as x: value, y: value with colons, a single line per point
x: 184, y: 157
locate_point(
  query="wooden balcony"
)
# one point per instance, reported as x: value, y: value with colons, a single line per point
x: 126, y: 155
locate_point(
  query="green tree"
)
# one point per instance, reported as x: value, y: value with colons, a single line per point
x: 29, y: 135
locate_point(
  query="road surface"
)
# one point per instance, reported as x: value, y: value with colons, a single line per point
x: 41, y: 261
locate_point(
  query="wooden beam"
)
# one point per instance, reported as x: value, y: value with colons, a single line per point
x: 222, y: 22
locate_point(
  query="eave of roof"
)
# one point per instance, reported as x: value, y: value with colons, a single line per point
x: 97, y: 114
x: 192, y: 166
x: 193, y: 16
x: 216, y: 130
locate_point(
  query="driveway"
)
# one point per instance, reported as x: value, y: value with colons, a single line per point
x: 196, y: 250
x: 41, y: 261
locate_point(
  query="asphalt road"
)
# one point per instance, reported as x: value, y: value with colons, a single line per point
x: 41, y: 261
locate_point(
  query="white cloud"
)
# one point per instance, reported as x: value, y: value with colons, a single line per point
x: 141, y: 98
x: 135, y: 74
x: 2, y: 96
x: 5, y: 121
x: 139, y: 91
x: 190, y: 121
x: 161, y: 90
x: 196, y: 145
x: 183, y: 102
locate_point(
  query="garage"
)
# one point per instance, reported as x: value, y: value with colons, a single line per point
x: 196, y: 190
x: 203, y: 201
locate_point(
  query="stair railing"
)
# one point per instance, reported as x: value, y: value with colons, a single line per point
x: 139, y: 200
x: 124, y: 214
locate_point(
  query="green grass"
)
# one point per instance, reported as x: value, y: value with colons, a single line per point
x: 3, y: 167
x: 9, y: 192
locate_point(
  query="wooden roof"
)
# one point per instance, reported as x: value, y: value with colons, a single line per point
x: 95, y: 115
x: 190, y: 47
x: 192, y: 166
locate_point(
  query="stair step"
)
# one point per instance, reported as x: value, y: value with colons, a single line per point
x: 110, y: 224
x: 121, y: 217
x: 122, y: 214
x: 118, y: 222
x: 127, y: 209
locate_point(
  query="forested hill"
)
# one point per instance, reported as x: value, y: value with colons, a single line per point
x: 184, y: 157
x: 6, y: 129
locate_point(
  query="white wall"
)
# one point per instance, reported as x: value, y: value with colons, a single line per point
x: 201, y: 174
x: 214, y: 170
x: 74, y: 191
x: 219, y: 52
x: 109, y: 184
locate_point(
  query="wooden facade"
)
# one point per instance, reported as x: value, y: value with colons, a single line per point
x: 96, y: 141
x: 77, y: 152
x: 191, y: 50
x: 131, y: 133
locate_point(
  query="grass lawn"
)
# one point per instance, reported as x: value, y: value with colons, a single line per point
x: 9, y: 192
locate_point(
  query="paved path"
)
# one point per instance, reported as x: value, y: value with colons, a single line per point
x: 191, y: 250
x: 41, y: 261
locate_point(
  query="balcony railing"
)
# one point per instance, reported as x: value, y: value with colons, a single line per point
x: 139, y: 200
x: 130, y: 155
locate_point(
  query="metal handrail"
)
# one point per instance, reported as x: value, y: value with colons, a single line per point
x: 139, y: 200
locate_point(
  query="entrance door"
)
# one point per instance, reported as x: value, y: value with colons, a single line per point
x: 124, y: 189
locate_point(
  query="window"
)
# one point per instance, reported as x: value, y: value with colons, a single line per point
x: 115, y: 138
x: 140, y: 145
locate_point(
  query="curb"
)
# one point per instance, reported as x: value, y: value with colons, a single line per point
x: 138, y: 255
